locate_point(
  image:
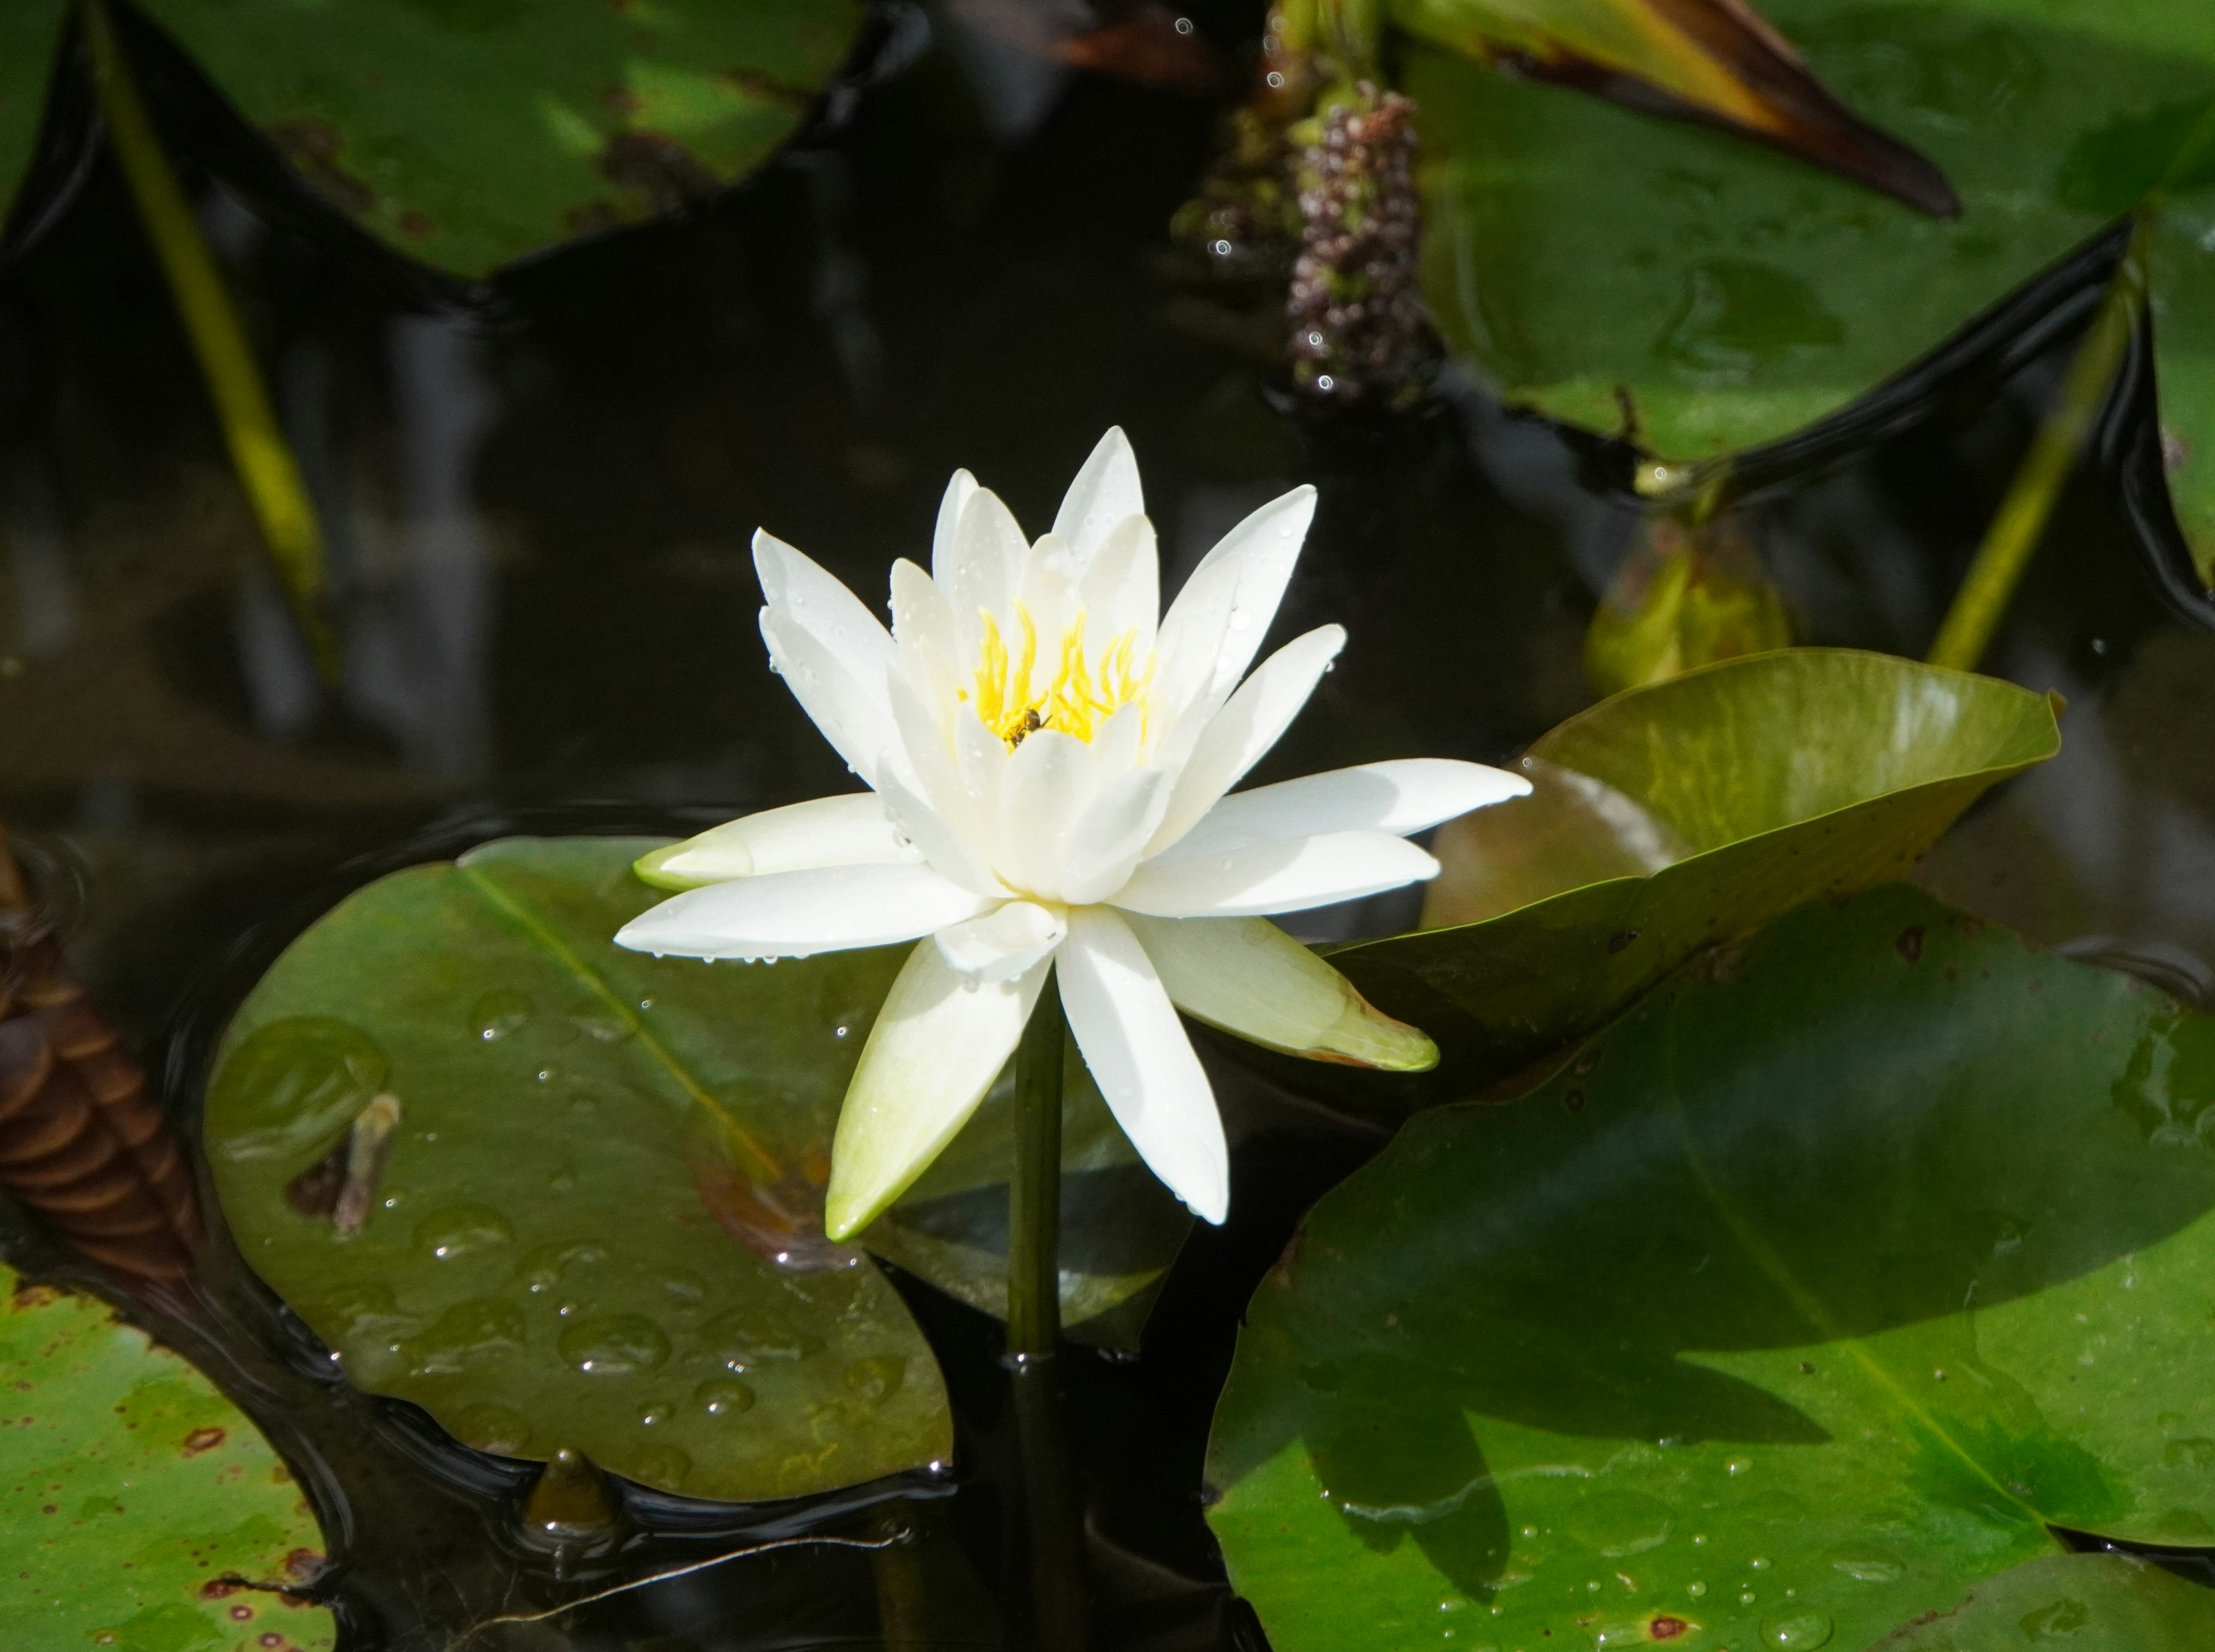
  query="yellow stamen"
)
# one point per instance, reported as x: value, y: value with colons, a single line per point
x: 1080, y: 699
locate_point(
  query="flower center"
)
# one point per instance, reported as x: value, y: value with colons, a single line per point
x: 1084, y: 692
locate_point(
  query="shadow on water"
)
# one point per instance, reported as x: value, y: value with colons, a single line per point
x: 539, y: 494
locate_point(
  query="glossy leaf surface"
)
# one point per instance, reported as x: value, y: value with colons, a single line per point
x: 553, y: 1255
x: 2088, y: 1603
x: 1784, y: 778
x: 1802, y: 1300
x: 132, y: 1494
x: 471, y: 132
x: 1575, y: 248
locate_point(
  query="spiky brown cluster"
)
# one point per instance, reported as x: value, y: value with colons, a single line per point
x: 1356, y: 323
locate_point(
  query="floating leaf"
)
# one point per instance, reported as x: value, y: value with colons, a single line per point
x: 470, y: 132
x: 139, y: 1507
x: 2088, y: 1603
x: 1789, y: 777
x: 537, y: 1268
x: 1582, y: 253
x: 1805, y: 1298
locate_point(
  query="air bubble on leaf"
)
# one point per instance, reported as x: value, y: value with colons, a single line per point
x: 619, y: 1345
x: 720, y: 1397
x: 459, y: 1230
x: 875, y: 1381
x: 1796, y: 1632
x: 497, y: 1014
x: 493, y: 1428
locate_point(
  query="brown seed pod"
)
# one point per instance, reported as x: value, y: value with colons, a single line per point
x: 82, y: 1142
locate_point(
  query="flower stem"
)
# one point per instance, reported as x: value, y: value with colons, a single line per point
x: 2019, y: 523
x: 267, y: 469
x: 1034, y: 1333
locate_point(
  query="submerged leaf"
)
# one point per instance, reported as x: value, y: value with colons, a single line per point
x: 1784, y: 778
x: 1806, y: 1297
x: 139, y: 1507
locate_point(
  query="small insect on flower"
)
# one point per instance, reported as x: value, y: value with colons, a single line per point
x: 1050, y: 760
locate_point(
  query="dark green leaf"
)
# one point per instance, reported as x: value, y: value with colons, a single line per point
x: 130, y: 1488
x: 1577, y: 250
x: 469, y: 132
x: 1801, y: 1300
x: 2086, y: 1603
x: 1787, y: 777
x: 28, y: 31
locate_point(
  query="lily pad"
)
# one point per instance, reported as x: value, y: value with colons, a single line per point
x: 542, y: 1265
x: 1791, y: 777
x: 1577, y: 249
x: 2088, y: 1603
x: 1804, y: 1299
x: 468, y: 133
x: 139, y: 1509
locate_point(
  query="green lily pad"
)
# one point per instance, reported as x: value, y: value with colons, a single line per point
x: 599, y: 1157
x: 139, y: 1510
x: 471, y: 132
x: 1574, y: 249
x: 2087, y: 1603
x: 1791, y: 777
x: 1804, y: 1299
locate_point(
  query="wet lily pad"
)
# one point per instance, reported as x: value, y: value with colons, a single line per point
x: 1781, y: 778
x: 471, y: 132
x: 2088, y: 1603
x: 1805, y: 1298
x: 139, y: 1509
x: 1578, y: 250
x: 599, y: 1158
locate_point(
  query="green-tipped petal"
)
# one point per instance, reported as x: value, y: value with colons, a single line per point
x: 937, y: 1045
x: 849, y: 830
x: 1248, y: 977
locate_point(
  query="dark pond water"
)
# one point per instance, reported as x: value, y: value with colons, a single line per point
x: 539, y: 498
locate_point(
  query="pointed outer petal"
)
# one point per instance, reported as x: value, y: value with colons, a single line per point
x: 1405, y: 796
x: 984, y: 565
x: 1106, y: 841
x: 1129, y: 1034
x: 1241, y: 734
x: 936, y: 1047
x: 1185, y: 654
x: 819, y: 602
x: 854, y: 830
x: 798, y: 914
x: 1248, y: 977
x: 1277, y: 877
x: 958, y: 486
x: 1266, y: 544
x: 1003, y: 944
x: 981, y: 758
x: 858, y: 723
x: 1049, y: 591
x: 1120, y: 588
x: 927, y: 638
x: 1049, y: 782
x: 942, y: 844
x: 1116, y: 748
x: 1106, y: 491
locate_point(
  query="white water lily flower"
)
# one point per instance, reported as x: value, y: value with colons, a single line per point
x: 1050, y: 762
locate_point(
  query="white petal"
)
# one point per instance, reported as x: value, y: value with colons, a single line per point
x: 1120, y: 589
x: 1190, y: 642
x: 980, y: 575
x: 1265, y: 545
x: 1248, y: 977
x: 1277, y: 877
x: 857, y: 720
x: 941, y: 841
x: 819, y: 602
x: 1238, y: 736
x: 1131, y: 1038
x: 1104, y: 846
x: 850, y: 831
x: 951, y: 504
x: 1048, y: 782
x: 797, y: 914
x: 1405, y: 796
x: 937, y: 1045
x: 1003, y: 944
x: 1049, y: 594
x: 929, y: 641
x: 1106, y: 491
